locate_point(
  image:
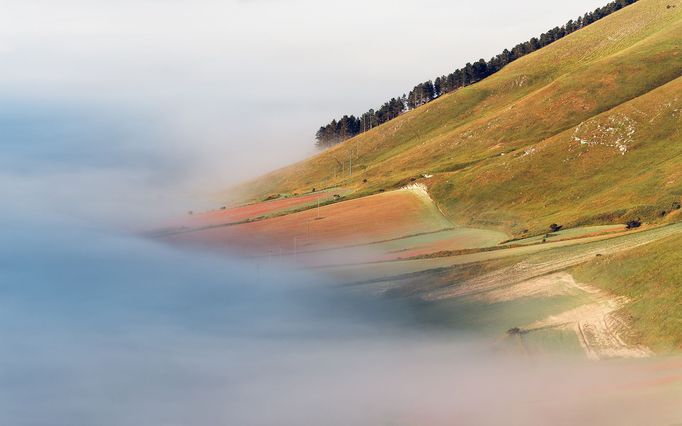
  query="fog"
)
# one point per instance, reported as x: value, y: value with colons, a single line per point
x: 117, y: 116
x: 221, y: 83
x: 100, y: 328
x: 100, y: 325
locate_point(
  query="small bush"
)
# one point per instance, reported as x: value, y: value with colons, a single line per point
x: 555, y: 228
x: 632, y: 224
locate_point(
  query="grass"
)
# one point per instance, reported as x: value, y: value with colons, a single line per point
x: 627, y: 65
x: 570, y: 233
x: 561, y: 180
x: 651, y: 276
x: 585, y: 132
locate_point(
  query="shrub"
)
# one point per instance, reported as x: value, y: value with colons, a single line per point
x: 555, y: 228
x: 631, y: 224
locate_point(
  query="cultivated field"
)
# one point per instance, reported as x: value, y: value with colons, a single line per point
x: 254, y: 211
x: 525, y: 288
x: 376, y: 218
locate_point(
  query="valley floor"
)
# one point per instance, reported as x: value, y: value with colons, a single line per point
x: 537, y: 291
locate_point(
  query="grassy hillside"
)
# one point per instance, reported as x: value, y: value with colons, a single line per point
x: 651, y: 277
x: 584, y: 131
x: 618, y: 165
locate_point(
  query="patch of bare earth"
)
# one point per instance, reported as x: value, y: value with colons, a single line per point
x: 559, y: 284
x: 597, y: 324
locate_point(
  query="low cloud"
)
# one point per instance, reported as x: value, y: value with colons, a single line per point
x: 107, y: 329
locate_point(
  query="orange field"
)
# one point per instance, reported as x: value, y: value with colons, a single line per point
x: 375, y: 218
x: 253, y: 211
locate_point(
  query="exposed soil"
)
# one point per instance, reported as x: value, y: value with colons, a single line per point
x: 597, y: 324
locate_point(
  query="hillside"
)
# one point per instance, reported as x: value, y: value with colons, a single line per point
x: 654, y: 310
x: 584, y: 131
x: 450, y: 204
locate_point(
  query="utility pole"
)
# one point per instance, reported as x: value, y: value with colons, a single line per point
x: 318, y: 207
x: 350, y: 162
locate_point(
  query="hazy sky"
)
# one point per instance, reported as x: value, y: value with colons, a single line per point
x: 113, y: 112
x: 206, y: 92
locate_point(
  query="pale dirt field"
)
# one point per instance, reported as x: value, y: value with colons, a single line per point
x: 599, y: 329
x: 559, y: 284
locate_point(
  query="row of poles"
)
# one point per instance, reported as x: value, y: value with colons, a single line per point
x: 295, y: 238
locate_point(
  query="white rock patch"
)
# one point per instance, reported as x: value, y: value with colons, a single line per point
x: 617, y: 132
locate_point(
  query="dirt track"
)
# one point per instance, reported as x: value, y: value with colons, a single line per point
x: 599, y: 329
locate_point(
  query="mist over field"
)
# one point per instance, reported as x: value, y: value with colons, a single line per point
x: 101, y: 325
x: 118, y: 117
x: 102, y: 328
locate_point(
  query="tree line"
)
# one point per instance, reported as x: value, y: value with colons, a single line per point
x: 348, y: 126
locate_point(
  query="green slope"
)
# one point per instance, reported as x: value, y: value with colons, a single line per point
x: 651, y: 277
x: 584, y: 131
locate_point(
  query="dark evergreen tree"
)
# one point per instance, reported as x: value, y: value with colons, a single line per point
x: 349, y: 126
x: 437, y: 87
